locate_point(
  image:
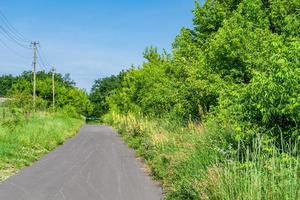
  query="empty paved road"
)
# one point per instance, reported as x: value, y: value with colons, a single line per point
x: 94, y: 165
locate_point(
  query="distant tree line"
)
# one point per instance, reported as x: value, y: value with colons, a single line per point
x: 67, y: 96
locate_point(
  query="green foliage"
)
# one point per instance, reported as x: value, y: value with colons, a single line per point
x: 66, y: 94
x: 234, y: 61
x: 237, y: 72
x: 209, y: 18
x: 196, y: 162
x: 166, y: 147
x: 284, y: 17
x: 73, y: 97
x: 260, y: 176
x: 26, y: 138
x: 101, y: 89
x: 6, y: 82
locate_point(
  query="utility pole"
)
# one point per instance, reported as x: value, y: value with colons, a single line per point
x: 34, y: 71
x: 53, y: 88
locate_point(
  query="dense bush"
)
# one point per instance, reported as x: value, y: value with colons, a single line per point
x: 6, y: 82
x: 239, y: 62
x: 101, y: 89
x: 237, y: 72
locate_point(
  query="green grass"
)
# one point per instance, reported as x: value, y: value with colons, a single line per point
x: 24, y: 139
x: 193, y: 162
x: 259, y: 176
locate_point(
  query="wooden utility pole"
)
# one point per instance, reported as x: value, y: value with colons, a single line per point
x: 53, y: 88
x: 34, y: 71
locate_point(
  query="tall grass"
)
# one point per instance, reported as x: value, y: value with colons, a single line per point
x: 272, y: 175
x: 171, y: 151
x: 193, y: 163
x: 25, y: 138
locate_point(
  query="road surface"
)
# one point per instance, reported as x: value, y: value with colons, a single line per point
x: 94, y: 165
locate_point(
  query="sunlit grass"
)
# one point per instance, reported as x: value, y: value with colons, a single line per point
x: 24, y: 139
x: 258, y: 175
x: 190, y: 164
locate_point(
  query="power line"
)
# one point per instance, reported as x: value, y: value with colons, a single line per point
x: 12, y: 50
x: 12, y: 28
x: 9, y: 37
x: 43, y: 67
x: 42, y: 57
x: 41, y: 61
x: 11, y: 33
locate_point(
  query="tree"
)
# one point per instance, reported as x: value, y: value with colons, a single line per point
x: 101, y: 89
x: 238, y: 65
x: 67, y: 95
x: 6, y: 82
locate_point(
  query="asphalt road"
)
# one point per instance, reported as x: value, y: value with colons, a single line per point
x: 94, y: 165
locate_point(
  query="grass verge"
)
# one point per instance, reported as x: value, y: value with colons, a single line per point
x: 193, y: 162
x: 23, y: 140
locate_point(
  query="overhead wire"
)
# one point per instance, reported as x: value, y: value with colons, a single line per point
x: 12, y: 50
x: 42, y: 59
x: 9, y: 37
x: 42, y: 66
x: 43, y: 55
x: 11, y: 34
x: 12, y: 29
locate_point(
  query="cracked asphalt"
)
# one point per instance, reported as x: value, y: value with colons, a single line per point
x: 94, y: 165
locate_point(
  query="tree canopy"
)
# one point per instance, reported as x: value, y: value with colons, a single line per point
x: 238, y: 65
x: 67, y: 96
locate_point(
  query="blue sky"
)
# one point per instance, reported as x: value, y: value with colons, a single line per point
x: 91, y: 39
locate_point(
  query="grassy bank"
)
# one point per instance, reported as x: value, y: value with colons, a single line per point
x: 24, y: 139
x: 192, y: 162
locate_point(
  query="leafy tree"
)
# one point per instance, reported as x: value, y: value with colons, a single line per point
x: 6, y: 82
x: 237, y: 71
x: 238, y: 65
x: 67, y: 95
x: 101, y: 89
